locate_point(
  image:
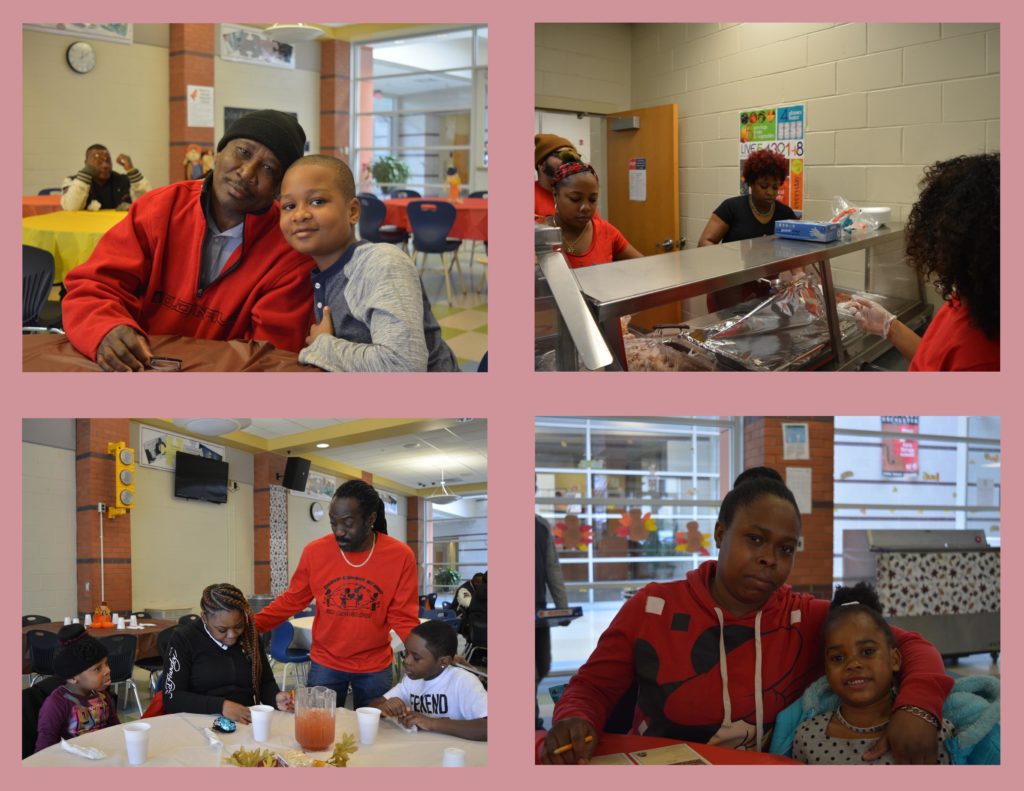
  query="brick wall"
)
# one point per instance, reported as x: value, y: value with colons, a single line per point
x: 190, y: 63
x: 762, y: 437
x: 94, y: 472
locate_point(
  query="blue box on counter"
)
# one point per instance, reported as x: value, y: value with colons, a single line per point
x: 808, y: 231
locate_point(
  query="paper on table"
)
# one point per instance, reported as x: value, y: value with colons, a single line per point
x: 674, y: 754
x: 397, y: 724
x: 91, y: 753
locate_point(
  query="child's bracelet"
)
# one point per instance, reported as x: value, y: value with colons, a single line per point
x: 927, y: 716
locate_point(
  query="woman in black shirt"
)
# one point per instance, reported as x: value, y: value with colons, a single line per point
x: 217, y: 665
x: 754, y: 214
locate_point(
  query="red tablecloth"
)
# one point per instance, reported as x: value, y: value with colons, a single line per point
x: 32, y: 205
x: 470, y: 216
x: 612, y: 743
x: 55, y: 353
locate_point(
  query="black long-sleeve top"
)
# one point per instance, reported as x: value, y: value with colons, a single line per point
x: 199, y: 675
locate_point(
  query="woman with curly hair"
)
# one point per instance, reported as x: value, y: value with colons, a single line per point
x: 217, y: 665
x: 754, y: 214
x: 586, y: 238
x: 952, y: 238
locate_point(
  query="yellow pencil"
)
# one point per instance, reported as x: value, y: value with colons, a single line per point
x: 566, y: 747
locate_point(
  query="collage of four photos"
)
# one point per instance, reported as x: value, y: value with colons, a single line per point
x: 770, y: 205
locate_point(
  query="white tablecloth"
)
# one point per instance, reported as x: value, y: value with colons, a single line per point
x: 178, y: 740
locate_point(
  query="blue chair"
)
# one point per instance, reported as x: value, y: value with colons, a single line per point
x: 51, y: 191
x: 472, y: 250
x: 37, y: 268
x: 478, y: 194
x: 371, y: 222
x: 404, y: 193
x: 448, y: 616
x: 281, y: 651
x: 187, y: 619
x: 32, y: 620
x: 482, y: 368
x: 431, y: 223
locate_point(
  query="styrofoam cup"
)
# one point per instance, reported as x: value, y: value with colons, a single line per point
x: 369, y: 720
x: 261, y: 716
x: 88, y: 619
x: 74, y: 620
x: 136, y: 738
x: 134, y: 621
x: 67, y: 620
x: 120, y: 623
x: 454, y: 756
x: 114, y: 617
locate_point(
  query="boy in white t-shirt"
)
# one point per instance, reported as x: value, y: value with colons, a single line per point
x: 435, y: 695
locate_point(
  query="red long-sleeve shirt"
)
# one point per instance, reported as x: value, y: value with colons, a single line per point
x: 356, y: 605
x: 667, y: 639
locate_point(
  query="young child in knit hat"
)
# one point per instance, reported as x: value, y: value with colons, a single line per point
x: 84, y: 703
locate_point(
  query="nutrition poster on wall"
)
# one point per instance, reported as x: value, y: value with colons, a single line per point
x: 900, y: 453
x: 780, y: 129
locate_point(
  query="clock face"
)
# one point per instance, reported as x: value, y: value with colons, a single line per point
x: 81, y: 57
x: 316, y: 510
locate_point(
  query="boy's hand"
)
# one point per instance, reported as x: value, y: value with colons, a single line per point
x: 285, y: 701
x: 393, y: 707
x: 420, y: 720
x: 325, y: 327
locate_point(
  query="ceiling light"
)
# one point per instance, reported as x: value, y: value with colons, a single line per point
x: 411, y: 445
x: 444, y: 497
x: 293, y: 33
x: 212, y: 426
x: 323, y: 445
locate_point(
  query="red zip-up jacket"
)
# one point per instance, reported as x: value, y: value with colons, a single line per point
x: 145, y: 273
x: 696, y: 665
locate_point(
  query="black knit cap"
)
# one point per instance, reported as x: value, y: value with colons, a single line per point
x: 78, y: 651
x: 278, y: 131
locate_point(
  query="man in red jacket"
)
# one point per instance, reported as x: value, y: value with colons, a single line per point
x: 203, y: 259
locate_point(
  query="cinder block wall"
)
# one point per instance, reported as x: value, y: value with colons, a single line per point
x: 883, y: 100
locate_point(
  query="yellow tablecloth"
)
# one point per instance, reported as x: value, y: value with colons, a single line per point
x: 70, y: 235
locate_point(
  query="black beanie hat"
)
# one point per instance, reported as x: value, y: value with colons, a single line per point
x: 78, y: 651
x: 278, y: 131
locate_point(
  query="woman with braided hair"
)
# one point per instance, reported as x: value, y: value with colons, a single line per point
x: 586, y: 238
x: 217, y: 665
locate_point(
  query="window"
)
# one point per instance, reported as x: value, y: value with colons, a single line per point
x: 455, y: 539
x: 632, y: 501
x: 421, y: 102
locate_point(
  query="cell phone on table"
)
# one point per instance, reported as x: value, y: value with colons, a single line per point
x: 164, y: 364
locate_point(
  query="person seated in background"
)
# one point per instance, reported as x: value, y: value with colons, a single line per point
x: 464, y: 593
x: 84, y: 703
x: 96, y: 186
x: 952, y: 237
x: 202, y: 259
x: 372, y: 311
x: 217, y: 665
x: 586, y: 238
x: 546, y: 159
x: 434, y: 694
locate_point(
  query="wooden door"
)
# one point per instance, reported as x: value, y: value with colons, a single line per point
x: 649, y: 223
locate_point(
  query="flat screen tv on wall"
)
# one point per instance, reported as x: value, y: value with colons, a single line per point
x: 198, y: 478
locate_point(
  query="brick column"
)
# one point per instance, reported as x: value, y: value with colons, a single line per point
x: 414, y: 532
x: 266, y: 467
x: 94, y: 474
x: 335, y: 93
x: 191, y: 55
x: 762, y: 440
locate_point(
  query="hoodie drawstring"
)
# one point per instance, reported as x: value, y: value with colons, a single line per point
x: 722, y: 666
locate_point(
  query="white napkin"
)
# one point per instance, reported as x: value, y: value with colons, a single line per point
x: 91, y: 753
x: 214, y: 741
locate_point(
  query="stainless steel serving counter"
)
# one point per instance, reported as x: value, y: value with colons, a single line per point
x: 625, y: 287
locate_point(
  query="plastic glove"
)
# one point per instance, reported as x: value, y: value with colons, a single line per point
x: 872, y: 317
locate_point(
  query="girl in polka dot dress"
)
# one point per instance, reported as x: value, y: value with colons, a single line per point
x: 861, y: 661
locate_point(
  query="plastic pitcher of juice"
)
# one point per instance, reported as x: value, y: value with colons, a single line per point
x: 314, y: 718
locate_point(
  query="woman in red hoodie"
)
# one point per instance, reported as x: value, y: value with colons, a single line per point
x: 718, y: 655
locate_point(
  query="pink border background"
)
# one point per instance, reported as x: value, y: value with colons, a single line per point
x: 511, y: 395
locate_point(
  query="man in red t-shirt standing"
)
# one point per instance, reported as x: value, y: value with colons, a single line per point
x: 364, y: 583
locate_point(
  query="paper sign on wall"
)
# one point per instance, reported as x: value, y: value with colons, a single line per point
x: 899, y: 454
x: 796, y: 443
x: 199, y: 99
x: 638, y: 179
x: 798, y: 479
x: 780, y: 129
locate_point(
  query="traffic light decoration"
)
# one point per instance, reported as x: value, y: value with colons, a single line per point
x: 124, y: 479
